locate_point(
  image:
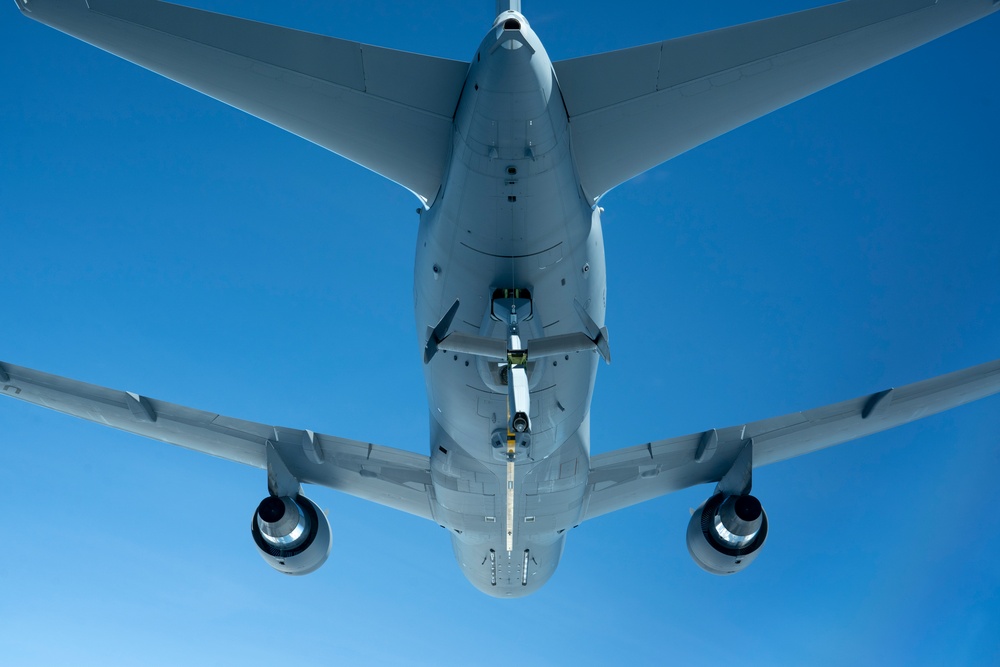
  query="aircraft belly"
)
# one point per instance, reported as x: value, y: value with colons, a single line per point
x: 510, y: 216
x: 548, y: 502
x: 466, y: 391
x: 501, y: 573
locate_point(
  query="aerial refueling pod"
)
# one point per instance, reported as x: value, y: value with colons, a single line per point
x: 726, y: 532
x: 291, y: 534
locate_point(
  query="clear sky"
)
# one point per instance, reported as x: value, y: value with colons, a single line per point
x: 154, y: 240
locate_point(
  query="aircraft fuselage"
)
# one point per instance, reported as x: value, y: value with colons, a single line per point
x: 511, y: 214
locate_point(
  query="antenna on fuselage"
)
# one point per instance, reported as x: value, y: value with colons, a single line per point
x: 508, y: 5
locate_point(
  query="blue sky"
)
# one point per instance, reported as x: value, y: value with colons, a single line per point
x: 157, y: 241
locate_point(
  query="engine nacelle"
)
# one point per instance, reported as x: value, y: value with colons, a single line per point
x: 726, y: 532
x: 291, y: 534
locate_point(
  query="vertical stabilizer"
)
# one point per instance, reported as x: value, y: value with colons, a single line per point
x: 508, y: 5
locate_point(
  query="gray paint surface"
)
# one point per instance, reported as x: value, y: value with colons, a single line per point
x: 534, y: 228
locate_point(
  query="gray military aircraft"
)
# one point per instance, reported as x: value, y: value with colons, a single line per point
x: 509, y: 155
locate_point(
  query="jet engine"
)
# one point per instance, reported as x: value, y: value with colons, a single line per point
x: 726, y: 532
x: 292, y: 534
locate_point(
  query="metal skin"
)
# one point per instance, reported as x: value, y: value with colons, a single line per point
x: 281, y: 523
x: 518, y: 219
x: 509, y: 284
x: 298, y: 541
x: 719, y: 540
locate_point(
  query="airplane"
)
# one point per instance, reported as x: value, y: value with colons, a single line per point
x: 509, y: 156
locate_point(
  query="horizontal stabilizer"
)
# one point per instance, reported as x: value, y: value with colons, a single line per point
x: 633, y: 109
x: 387, y: 110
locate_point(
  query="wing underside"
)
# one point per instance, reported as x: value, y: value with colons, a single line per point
x: 633, y: 109
x: 625, y: 477
x: 387, y: 476
x: 389, y: 111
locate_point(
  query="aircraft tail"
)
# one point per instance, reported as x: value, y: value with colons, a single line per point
x: 508, y: 6
x: 387, y: 110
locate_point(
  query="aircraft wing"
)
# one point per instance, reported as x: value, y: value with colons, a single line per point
x: 389, y: 111
x: 384, y: 475
x: 633, y: 109
x: 629, y: 476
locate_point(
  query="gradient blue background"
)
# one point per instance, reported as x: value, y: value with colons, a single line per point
x: 155, y: 240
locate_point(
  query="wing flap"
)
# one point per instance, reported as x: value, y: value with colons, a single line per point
x: 633, y: 109
x: 389, y: 111
x: 625, y: 477
x: 388, y: 476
